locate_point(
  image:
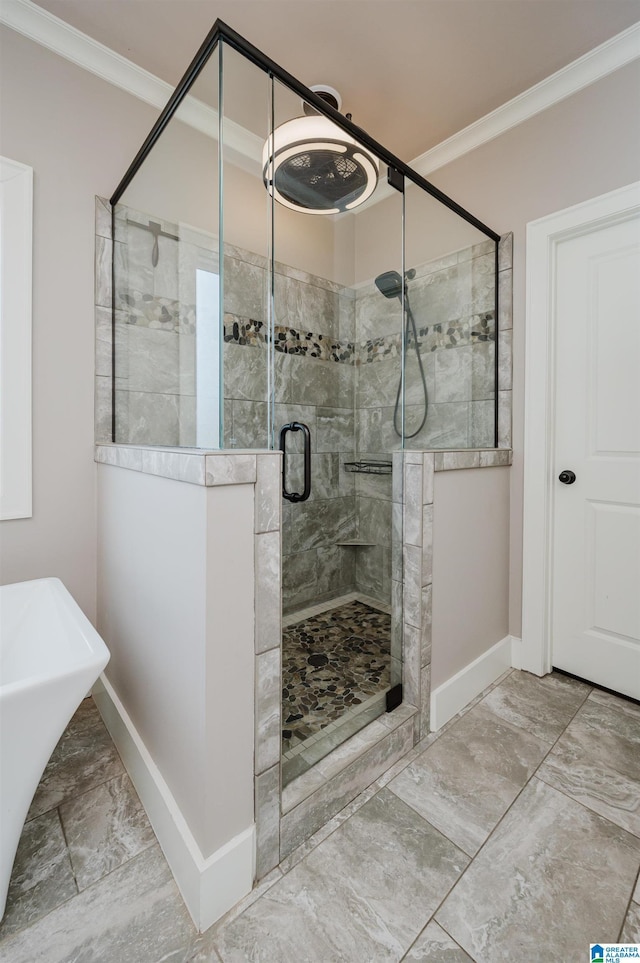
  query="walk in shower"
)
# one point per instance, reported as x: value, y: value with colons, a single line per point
x: 280, y: 280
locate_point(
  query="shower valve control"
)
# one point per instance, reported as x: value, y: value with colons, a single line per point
x: 567, y: 477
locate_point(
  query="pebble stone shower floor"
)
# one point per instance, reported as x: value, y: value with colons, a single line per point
x: 332, y: 662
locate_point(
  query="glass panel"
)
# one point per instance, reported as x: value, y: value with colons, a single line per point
x: 167, y: 316
x: 450, y: 372
x: 372, y: 325
x: 246, y: 217
x: 337, y: 546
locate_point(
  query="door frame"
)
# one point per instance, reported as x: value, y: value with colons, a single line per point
x: 542, y: 239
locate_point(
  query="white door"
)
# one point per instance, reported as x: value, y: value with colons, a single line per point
x: 595, y: 564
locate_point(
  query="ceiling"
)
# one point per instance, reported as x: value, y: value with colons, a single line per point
x: 412, y: 72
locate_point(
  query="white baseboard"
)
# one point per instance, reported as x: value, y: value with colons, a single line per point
x: 209, y: 886
x: 457, y: 692
x: 516, y: 652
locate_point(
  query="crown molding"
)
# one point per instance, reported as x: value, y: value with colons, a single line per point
x: 44, y: 28
x: 41, y: 26
x: 586, y: 70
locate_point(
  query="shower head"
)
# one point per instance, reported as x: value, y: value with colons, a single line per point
x: 389, y: 284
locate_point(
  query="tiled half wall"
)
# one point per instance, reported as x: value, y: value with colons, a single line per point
x: 285, y: 819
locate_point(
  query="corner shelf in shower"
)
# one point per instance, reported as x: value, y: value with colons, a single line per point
x: 369, y: 467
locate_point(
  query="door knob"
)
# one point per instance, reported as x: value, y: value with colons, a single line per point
x: 567, y: 477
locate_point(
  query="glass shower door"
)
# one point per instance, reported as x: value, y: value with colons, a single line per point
x: 336, y: 341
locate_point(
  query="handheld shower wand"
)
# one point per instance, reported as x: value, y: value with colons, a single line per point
x: 390, y: 284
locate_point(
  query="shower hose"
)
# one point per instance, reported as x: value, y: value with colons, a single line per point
x: 410, y: 327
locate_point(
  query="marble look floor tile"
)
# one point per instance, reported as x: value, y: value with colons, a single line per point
x: 134, y: 915
x: 615, y: 702
x: 631, y: 929
x: 348, y: 900
x: 327, y: 801
x: 203, y: 950
x: 435, y: 946
x: 42, y: 877
x: 597, y: 761
x: 84, y: 758
x: 465, y: 782
x: 204, y: 954
x: 530, y: 893
x: 104, y: 828
x: 543, y: 707
x: 329, y: 827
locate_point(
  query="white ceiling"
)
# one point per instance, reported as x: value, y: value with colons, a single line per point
x: 412, y: 72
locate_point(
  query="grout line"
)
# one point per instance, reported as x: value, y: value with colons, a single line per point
x: 586, y: 808
x: 96, y: 882
x: 626, y: 912
x: 432, y: 920
x: 68, y: 799
x: 302, y: 614
x: 247, y: 901
x: 67, y: 847
x: 504, y: 815
x: 471, y: 957
x: 359, y: 801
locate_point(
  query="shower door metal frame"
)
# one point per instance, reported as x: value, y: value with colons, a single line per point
x: 221, y: 31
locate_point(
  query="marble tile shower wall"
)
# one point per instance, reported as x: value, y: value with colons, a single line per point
x: 452, y: 300
x: 156, y: 373
x: 337, y: 367
x: 453, y: 303
x: 314, y: 384
x: 155, y: 328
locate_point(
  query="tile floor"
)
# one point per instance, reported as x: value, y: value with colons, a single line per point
x: 331, y: 662
x: 512, y: 834
x: 336, y: 668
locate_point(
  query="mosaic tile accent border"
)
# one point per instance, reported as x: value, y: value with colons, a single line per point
x: 162, y: 314
x: 455, y: 334
x: 246, y: 331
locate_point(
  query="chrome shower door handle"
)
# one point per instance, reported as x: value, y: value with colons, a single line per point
x: 297, y: 426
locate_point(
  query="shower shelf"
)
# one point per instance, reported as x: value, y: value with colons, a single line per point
x: 369, y: 467
x: 355, y: 543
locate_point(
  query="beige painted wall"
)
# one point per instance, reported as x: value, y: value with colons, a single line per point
x: 585, y: 146
x: 77, y: 133
x: 470, y: 567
